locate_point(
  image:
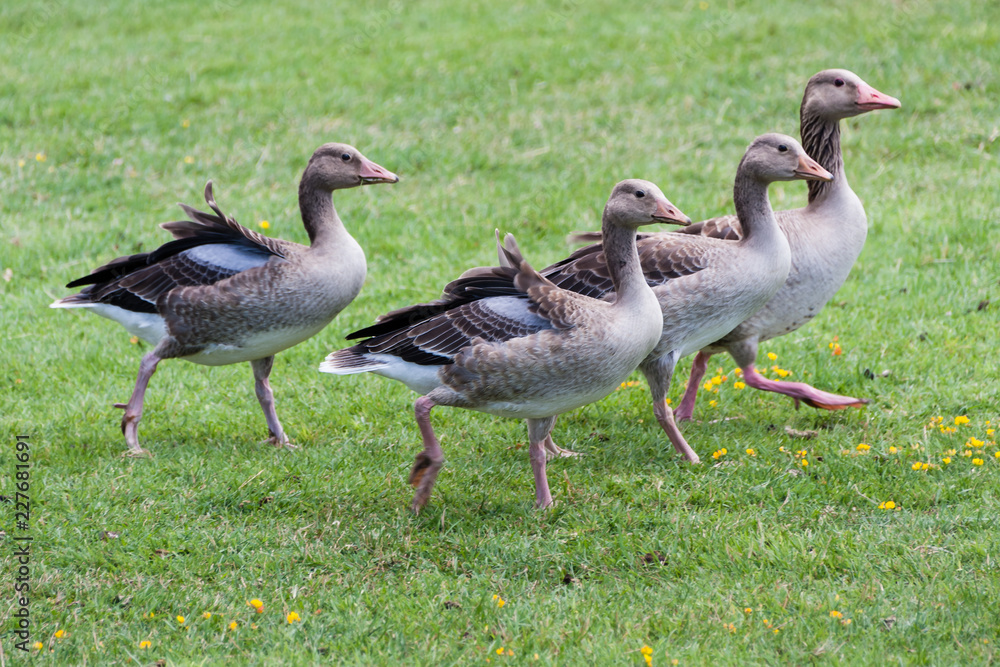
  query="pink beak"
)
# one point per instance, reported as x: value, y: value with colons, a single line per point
x: 870, y: 99
x: 372, y: 173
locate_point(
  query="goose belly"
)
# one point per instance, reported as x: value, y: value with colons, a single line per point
x: 256, y: 345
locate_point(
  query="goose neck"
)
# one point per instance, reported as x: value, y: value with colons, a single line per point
x: 821, y: 141
x: 319, y: 215
x: 623, y: 259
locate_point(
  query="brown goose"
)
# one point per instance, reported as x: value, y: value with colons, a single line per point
x: 532, y: 352
x: 705, y: 286
x: 825, y: 237
x: 221, y: 293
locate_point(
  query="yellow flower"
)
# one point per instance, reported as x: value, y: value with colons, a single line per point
x: 145, y: 643
x: 863, y: 447
x: 292, y: 617
x: 916, y: 466
x: 748, y: 610
x: 264, y: 224
x: 41, y: 157
x: 152, y: 615
x: 846, y: 621
x: 989, y: 431
x: 805, y: 463
x: 645, y: 650
x: 257, y: 604
x: 837, y: 350
x: 21, y: 163
x: 60, y: 633
x: 977, y: 462
x: 776, y: 631
x: 188, y: 159
x: 887, y: 505
x: 772, y: 356
x: 996, y: 455
x: 739, y: 385
x: 962, y: 419
x: 185, y: 123
x: 713, y: 403
x: 499, y: 600
x: 835, y: 614
x: 207, y: 615
x: 975, y: 443
x: 39, y: 646
x: 946, y: 460
x: 180, y: 619
x: 951, y: 452
x: 751, y: 451
x: 674, y: 661
x: 500, y: 651
x: 233, y: 625
x: 967, y: 452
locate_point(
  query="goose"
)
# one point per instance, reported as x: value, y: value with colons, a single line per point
x: 705, y: 286
x: 220, y: 293
x: 825, y: 237
x: 531, y: 353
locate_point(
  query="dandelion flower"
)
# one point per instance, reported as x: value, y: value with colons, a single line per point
x: 893, y: 450
x: 863, y: 447
x: 961, y: 419
x: 887, y: 505
x: 708, y: 386
x: 145, y: 643
x: 713, y: 403
x: 996, y: 455
x: 233, y: 625
x: 264, y: 224
x: 748, y: 610
x: 500, y: 651
x: 257, y: 604
x: 977, y: 462
x: 846, y: 621
x: 180, y: 619
x: 772, y: 356
x: 152, y: 615
x: 739, y: 385
x: 60, y: 633
x: 39, y: 646
x: 946, y: 460
x: 41, y: 157
x: 837, y: 350
x: 835, y: 614
x: 752, y: 452
x: 805, y: 463
x: 646, y: 650
x: 292, y: 617
x: 499, y: 600
x: 916, y: 466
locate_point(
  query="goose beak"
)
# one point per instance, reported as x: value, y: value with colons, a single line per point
x: 372, y: 173
x: 870, y: 99
x: 667, y: 212
x: 810, y: 170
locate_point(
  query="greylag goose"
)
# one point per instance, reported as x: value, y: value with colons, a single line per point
x: 531, y: 353
x: 825, y: 237
x: 705, y: 286
x: 220, y: 293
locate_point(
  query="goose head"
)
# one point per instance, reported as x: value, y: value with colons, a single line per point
x: 635, y: 202
x: 338, y: 166
x: 837, y: 93
x: 778, y: 157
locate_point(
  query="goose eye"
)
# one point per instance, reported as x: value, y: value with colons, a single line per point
x: 838, y: 82
x: 346, y: 157
x: 640, y: 194
x: 782, y: 148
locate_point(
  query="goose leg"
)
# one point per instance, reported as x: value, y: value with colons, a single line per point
x: 800, y: 391
x: 658, y: 373
x: 686, y: 409
x: 133, y: 409
x: 554, y: 451
x: 539, y: 432
x: 262, y: 387
x: 428, y: 462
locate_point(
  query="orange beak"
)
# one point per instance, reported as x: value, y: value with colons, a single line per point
x: 667, y: 212
x: 372, y: 173
x: 870, y: 99
x: 810, y: 170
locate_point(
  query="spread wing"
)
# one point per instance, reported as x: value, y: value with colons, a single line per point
x: 206, y: 249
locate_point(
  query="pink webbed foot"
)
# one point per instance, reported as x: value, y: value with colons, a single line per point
x: 800, y: 391
x: 685, y: 410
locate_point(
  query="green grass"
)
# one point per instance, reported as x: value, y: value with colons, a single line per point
x: 519, y: 116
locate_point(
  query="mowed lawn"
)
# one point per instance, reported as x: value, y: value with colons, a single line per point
x: 519, y: 116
